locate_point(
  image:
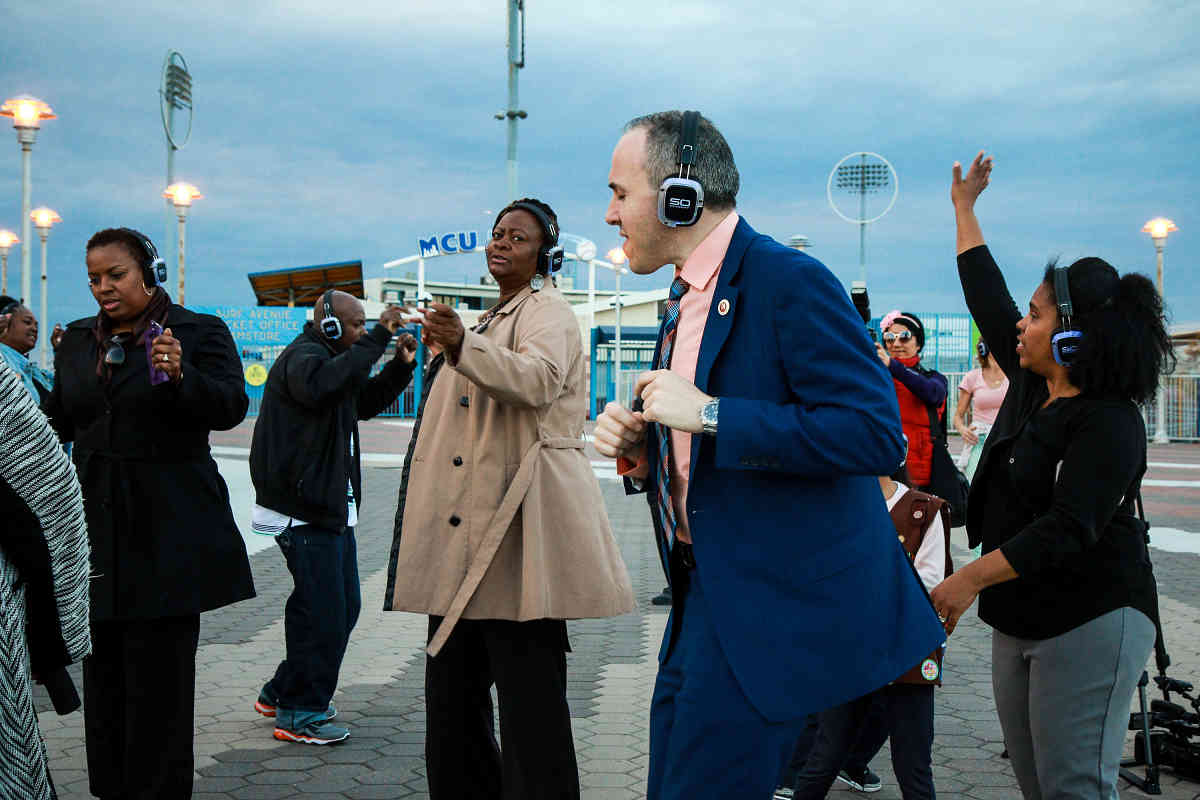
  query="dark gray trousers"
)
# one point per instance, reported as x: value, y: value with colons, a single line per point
x: 1064, y: 703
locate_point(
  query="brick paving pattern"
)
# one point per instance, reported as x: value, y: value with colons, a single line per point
x: 611, y: 671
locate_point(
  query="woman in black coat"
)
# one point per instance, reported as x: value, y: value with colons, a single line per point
x: 164, y: 543
x: 1065, y: 580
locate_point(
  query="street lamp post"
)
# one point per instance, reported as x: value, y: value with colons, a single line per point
x: 7, y: 240
x: 44, y: 218
x: 1158, y: 228
x: 618, y: 258
x: 182, y: 195
x: 27, y: 114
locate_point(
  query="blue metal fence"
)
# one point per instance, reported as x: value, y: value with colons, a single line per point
x: 637, y: 350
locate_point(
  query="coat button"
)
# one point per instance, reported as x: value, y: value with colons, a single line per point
x: 1012, y: 461
x: 464, y: 401
x: 458, y: 461
x: 455, y: 520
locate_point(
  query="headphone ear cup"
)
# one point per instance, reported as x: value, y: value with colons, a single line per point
x: 680, y: 202
x: 1064, y: 346
x: 553, y: 259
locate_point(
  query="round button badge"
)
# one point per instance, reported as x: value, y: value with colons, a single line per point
x: 256, y: 374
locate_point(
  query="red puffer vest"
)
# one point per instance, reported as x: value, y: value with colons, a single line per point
x: 914, y: 418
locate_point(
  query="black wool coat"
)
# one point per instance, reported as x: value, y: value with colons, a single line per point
x: 163, y: 538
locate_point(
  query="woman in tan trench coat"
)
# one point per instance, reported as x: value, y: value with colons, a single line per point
x: 501, y: 533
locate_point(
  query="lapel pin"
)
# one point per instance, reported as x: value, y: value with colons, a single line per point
x: 723, y: 307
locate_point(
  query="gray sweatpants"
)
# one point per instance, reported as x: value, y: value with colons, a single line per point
x: 1064, y: 703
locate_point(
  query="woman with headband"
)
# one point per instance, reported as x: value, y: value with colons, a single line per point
x: 139, y: 387
x: 501, y: 533
x: 921, y: 392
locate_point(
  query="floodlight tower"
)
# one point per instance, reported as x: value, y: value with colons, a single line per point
x: 175, y: 94
x: 862, y: 174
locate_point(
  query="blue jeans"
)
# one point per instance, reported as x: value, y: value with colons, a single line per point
x: 873, y: 735
x: 319, y: 615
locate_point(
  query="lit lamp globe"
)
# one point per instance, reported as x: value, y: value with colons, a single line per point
x: 44, y: 219
x: 1158, y: 228
x: 617, y: 256
x: 26, y: 112
x: 181, y: 196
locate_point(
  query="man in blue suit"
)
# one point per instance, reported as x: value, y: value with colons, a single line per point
x: 758, y: 440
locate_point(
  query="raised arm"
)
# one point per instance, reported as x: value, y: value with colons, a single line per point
x: 988, y: 299
x: 316, y: 381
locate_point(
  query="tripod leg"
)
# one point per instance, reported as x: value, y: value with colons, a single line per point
x: 1148, y: 784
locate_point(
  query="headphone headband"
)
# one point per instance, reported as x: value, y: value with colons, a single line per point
x: 549, y: 229
x: 681, y: 198
x: 156, y: 272
x: 687, y: 141
x: 1062, y: 295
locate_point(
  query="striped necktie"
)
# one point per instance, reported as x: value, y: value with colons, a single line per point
x: 662, y: 465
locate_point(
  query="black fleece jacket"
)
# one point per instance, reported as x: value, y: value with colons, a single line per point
x: 305, y: 445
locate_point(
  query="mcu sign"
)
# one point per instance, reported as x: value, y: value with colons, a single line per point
x: 448, y: 244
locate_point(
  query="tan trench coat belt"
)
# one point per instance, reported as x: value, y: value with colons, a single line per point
x: 494, y: 536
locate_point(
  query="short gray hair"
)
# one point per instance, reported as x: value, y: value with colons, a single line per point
x: 714, y: 167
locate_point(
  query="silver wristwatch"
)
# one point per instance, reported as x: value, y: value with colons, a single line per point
x: 708, y: 416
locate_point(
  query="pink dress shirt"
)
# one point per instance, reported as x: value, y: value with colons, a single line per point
x: 700, y: 272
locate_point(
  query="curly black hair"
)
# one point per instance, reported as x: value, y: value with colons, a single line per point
x: 1126, y: 346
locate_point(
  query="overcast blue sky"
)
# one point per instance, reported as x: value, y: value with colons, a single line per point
x: 335, y: 131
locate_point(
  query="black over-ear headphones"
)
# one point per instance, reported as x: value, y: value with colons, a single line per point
x: 331, y: 326
x: 550, y: 257
x: 156, y: 271
x: 982, y: 348
x: 681, y: 199
x: 1066, y: 340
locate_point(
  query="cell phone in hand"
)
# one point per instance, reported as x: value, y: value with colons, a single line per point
x: 157, y: 376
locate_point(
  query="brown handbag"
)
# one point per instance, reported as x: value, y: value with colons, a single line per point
x: 912, y: 515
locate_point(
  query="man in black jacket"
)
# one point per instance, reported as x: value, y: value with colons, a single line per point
x: 304, y: 462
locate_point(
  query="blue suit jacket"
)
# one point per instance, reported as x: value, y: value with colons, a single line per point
x: 812, y: 598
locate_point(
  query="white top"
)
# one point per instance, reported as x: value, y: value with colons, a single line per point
x: 930, y: 561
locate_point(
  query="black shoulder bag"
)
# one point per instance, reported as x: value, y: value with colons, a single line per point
x: 945, y: 478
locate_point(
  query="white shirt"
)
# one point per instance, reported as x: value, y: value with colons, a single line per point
x: 930, y: 561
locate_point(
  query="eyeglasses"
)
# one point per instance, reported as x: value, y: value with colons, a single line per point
x: 903, y: 336
x: 115, y: 354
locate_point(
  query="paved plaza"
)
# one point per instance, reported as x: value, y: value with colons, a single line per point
x: 611, y: 669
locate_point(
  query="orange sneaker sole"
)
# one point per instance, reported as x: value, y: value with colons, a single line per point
x: 288, y: 736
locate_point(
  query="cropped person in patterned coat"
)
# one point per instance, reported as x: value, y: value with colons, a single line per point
x: 43, y: 581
